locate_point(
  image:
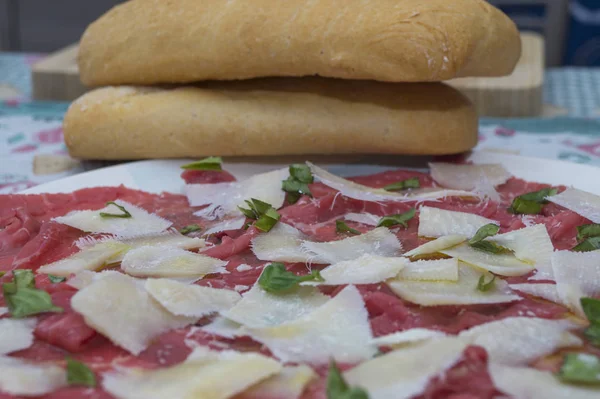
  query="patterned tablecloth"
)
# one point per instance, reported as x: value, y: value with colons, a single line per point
x: 32, y: 149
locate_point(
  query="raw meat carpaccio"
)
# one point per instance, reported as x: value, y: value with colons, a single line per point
x: 29, y: 238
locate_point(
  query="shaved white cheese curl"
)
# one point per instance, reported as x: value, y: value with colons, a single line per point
x: 23, y: 378
x: 90, y: 258
x: 224, y: 198
x: 466, y: 176
x: 501, y: 264
x: 517, y: 341
x: 548, y: 292
x: 360, y: 192
x: 411, y: 336
x: 364, y: 218
x: 581, y: 202
x: 231, y: 224
x: 367, y: 269
x: 190, y: 300
x: 431, y: 270
x: 289, y: 384
x: 577, y: 275
x: 528, y: 383
x: 220, y: 375
x: 531, y: 245
x: 435, y: 222
x: 281, y: 244
x: 437, y: 245
x: 16, y: 334
x: 169, y: 262
x: 462, y: 292
x: 405, y: 373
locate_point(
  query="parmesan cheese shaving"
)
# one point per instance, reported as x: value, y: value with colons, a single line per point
x: 405, y: 373
x: 431, y: 270
x: 140, y: 222
x: 379, y: 241
x: 281, y: 244
x: 364, y: 218
x: 190, y: 300
x: 517, y: 341
x: 288, y: 384
x: 367, y: 269
x: 338, y: 330
x: 435, y: 222
x: 581, y: 202
x: 360, y: 192
x: 224, y: 198
x: 203, y: 375
x: 528, y: 383
x: 90, y: 258
x: 462, y: 292
x: 531, y: 245
x: 118, y: 307
x: 545, y: 291
x: 467, y: 176
x: 403, y: 338
x: 231, y: 224
x: 169, y: 262
x: 16, y: 334
x: 501, y: 264
x: 223, y: 327
x: 437, y: 245
x: 577, y: 275
x: 259, y: 308
x: 19, y: 377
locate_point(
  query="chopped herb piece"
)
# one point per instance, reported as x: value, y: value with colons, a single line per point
x: 2, y: 274
x: 123, y: 215
x: 484, y: 232
x: 587, y: 245
x: 210, y: 163
x: 490, y: 247
x: 403, y: 185
x: 56, y: 279
x: 580, y: 368
x: 591, y: 308
x: 483, y: 286
x: 297, y: 183
x: 531, y: 203
x: 276, y: 279
x: 399, y: 219
x: 79, y: 374
x: 267, y: 220
x: 190, y: 229
x: 342, y: 227
x: 588, y: 231
x: 23, y: 299
x: 338, y: 388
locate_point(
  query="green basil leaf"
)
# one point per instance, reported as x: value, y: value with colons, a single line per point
x: 483, y: 286
x: 342, y: 227
x: 301, y: 173
x: 2, y: 274
x: 249, y: 213
x: 190, y: 229
x: 79, y: 374
x: 267, y: 220
x: 591, y: 308
x: 403, y: 185
x: 24, y: 278
x: 592, y: 333
x: 399, y: 219
x: 338, y: 388
x: 587, y: 245
x: 292, y: 186
x: 26, y: 302
x: 292, y: 198
x: 56, y: 279
x: 210, y: 163
x: 124, y: 215
x: 490, y: 247
x: 531, y: 203
x: 276, y: 279
x: 588, y: 231
x: 484, y: 232
x: 580, y: 368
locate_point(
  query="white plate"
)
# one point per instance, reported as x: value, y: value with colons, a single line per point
x: 163, y: 175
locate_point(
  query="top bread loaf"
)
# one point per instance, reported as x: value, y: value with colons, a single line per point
x: 177, y: 41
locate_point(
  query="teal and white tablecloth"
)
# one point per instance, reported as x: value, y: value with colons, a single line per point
x: 32, y: 149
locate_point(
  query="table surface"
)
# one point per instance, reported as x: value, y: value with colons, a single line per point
x: 32, y: 150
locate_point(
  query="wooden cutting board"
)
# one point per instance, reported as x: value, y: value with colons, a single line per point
x: 518, y: 95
